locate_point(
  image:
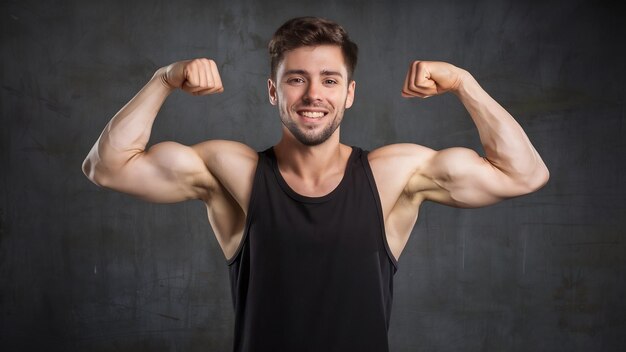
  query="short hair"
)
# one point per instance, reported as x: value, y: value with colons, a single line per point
x: 310, y: 31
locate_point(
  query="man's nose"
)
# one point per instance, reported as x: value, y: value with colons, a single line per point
x: 313, y: 92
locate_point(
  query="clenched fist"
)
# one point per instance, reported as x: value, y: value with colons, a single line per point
x: 428, y: 78
x: 197, y: 77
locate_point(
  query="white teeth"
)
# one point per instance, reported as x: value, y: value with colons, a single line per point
x: 312, y: 114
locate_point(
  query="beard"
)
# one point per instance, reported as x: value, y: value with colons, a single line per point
x: 307, y: 136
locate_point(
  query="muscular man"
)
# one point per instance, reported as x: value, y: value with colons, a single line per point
x: 312, y: 228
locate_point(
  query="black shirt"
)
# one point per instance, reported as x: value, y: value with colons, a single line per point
x: 313, y: 273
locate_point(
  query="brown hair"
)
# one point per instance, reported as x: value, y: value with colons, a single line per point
x: 310, y: 31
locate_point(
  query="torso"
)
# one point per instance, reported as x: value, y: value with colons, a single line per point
x: 308, y: 256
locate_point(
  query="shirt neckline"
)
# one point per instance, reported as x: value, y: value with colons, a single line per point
x: 306, y: 199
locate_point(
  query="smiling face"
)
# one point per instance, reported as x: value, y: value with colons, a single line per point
x: 312, y: 92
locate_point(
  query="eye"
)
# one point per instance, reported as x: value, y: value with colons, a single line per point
x: 330, y: 81
x: 295, y: 80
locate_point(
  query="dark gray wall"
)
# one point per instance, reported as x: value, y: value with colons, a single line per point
x: 86, y: 269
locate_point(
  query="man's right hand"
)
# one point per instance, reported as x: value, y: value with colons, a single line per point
x: 197, y: 76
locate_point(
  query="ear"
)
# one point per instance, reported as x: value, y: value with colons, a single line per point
x: 271, y: 91
x: 350, y: 97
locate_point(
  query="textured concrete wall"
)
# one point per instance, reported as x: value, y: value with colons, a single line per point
x: 86, y: 269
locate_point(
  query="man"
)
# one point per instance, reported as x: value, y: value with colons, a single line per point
x: 312, y: 228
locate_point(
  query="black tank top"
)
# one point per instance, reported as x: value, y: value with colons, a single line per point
x: 313, y: 273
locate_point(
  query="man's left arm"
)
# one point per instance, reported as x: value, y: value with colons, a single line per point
x: 511, y: 166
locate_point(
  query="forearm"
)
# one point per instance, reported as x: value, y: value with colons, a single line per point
x: 506, y: 145
x: 128, y: 132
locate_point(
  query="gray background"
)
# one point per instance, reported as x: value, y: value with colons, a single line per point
x: 86, y: 269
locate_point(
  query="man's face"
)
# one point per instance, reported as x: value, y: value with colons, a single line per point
x: 312, y: 92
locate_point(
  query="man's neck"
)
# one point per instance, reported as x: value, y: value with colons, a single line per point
x: 312, y: 166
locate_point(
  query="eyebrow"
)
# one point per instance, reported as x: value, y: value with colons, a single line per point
x: 303, y: 72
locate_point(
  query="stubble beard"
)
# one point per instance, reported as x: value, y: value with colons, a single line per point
x: 307, y: 136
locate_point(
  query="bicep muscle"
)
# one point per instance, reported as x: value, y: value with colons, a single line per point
x: 167, y: 172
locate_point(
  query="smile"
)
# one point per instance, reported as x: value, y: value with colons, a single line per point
x: 312, y: 114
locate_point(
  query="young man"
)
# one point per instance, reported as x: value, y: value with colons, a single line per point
x: 312, y: 228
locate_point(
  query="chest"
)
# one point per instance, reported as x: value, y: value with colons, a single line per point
x: 345, y: 220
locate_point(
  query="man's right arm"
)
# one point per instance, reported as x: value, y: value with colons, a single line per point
x: 167, y: 172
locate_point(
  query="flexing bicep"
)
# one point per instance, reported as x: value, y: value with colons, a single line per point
x: 465, y: 179
x: 167, y: 172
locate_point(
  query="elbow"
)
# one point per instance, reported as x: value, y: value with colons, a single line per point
x: 90, y: 170
x: 537, y: 180
x: 545, y: 176
x: 86, y: 167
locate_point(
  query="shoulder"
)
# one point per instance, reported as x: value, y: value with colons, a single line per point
x: 231, y: 166
x: 401, y: 155
x: 217, y: 153
x: 395, y: 167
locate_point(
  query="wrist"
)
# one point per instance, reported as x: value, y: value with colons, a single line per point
x: 162, y: 77
x: 465, y: 80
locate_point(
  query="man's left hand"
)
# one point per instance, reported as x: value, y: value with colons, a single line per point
x: 428, y: 78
